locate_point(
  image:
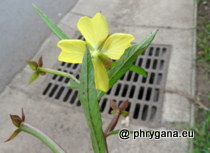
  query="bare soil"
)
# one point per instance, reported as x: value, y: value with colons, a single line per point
x: 203, y: 72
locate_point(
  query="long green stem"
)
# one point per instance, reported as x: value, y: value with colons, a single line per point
x: 42, y: 137
x: 58, y: 73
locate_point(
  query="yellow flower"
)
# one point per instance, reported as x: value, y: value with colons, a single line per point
x: 100, y: 44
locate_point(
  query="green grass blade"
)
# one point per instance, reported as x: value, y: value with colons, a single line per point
x: 55, y: 29
x: 89, y: 102
x: 126, y: 61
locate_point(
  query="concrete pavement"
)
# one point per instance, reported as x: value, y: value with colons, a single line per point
x: 175, y: 21
x: 22, y: 32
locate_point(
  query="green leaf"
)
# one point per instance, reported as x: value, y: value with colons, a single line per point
x: 135, y: 69
x: 117, y: 132
x: 72, y: 84
x: 57, y: 31
x: 113, y: 132
x: 138, y: 70
x: 127, y: 60
x: 89, y: 102
x: 34, y: 76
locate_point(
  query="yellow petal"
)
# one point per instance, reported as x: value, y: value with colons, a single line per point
x: 72, y: 51
x: 94, y: 30
x: 116, y: 44
x: 100, y: 75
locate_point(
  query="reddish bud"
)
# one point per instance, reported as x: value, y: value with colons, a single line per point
x: 23, y: 115
x: 16, y: 120
x: 113, y: 105
x: 124, y: 105
x: 40, y: 62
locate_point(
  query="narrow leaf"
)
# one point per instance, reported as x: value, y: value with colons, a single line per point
x: 34, y: 76
x: 135, y: 69
x: 57, y: 31
x: 113, y: 132
x: 138, y: 70
x: 89, y: 102
x: 117, y: 132
x: 127, y: 60
x: 15, y: 133
x: 72, y: 84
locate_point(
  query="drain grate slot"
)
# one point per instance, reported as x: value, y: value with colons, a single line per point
x: 143, y: 94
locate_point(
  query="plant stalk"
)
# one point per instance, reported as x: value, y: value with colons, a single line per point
x: 55, y: 148
x: 113, y: 123
x: 58, y: 73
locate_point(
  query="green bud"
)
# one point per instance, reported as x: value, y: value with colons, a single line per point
x: 124, y: 113
x: 33, y: 65
x: 113, y: 112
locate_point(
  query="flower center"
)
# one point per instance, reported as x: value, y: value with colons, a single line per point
x: 95, y: 54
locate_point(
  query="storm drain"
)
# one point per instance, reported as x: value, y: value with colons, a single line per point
x: 143, y: 94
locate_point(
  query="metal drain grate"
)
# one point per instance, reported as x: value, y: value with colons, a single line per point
x: 145, y: 98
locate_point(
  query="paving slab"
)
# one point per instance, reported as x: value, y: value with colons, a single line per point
x: 164, y: 13
x: 65, y: 123
x: 60, y: 123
